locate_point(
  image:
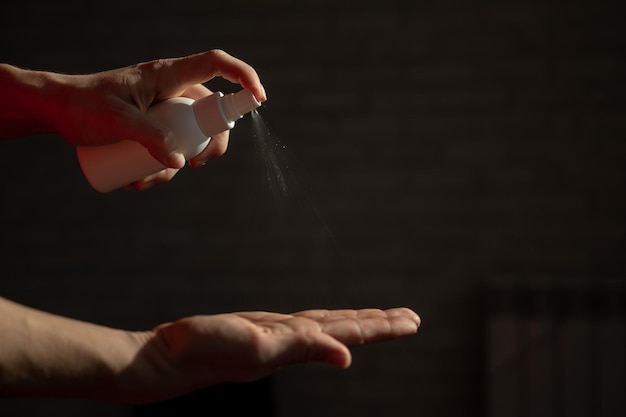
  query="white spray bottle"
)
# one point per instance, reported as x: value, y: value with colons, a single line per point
x: 109, y: 167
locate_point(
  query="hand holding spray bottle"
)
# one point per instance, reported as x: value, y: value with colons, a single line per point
x: 109, y: 167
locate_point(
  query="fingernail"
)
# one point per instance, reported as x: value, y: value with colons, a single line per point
x: 198, y: 164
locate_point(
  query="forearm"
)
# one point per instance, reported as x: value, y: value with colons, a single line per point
x: 46, y: 355
x: 24, y: 101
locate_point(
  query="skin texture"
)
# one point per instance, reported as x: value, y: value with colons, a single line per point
x: 46, y: 355
x: 43, y: 354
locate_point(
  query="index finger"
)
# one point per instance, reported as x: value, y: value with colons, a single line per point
x: 333, y: 315
x: 355, y: 332
x: 358, y: 327
x: 178, y: 74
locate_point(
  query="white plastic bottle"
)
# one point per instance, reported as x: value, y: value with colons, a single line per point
x: 109, y: 167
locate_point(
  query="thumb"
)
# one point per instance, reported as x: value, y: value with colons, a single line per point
x: 311, y: 347
x: 157, y: 139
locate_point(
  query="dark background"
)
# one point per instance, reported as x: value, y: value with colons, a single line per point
x: 431, y: 150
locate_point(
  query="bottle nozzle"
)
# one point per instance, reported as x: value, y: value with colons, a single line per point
x: 217, y: 112
x: 239, y: 103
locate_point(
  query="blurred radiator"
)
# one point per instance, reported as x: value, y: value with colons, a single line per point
x: 555, y: 350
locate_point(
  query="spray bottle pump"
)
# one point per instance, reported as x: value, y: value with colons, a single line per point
x: 109, y: 167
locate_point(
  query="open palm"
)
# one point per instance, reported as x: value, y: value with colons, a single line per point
x: 246, y: 346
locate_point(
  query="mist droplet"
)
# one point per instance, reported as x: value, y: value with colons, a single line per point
x: 275, y: 169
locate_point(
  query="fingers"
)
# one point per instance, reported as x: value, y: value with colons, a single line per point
x: 150, y: 181
x: 327, y: 349
x: 332, y: 315
x: 370, y: 330
x: 291, y: 348
x: 184, y: 77
x: 178, y: 74
x: 352, y: 327
x: 216, y: 147
x: 196, y: 92
x: 218, y: 144
x: 326, y: 335
x: 124, y: 121
x: 357, y: 327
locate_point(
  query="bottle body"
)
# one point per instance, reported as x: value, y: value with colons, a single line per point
x: 109, y: 167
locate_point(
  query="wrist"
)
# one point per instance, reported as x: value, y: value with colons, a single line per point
x: 53, y: 356
x: 147, y: 374
x: 26, y: 105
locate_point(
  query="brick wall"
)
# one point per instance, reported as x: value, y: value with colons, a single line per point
x: 428, y: 148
